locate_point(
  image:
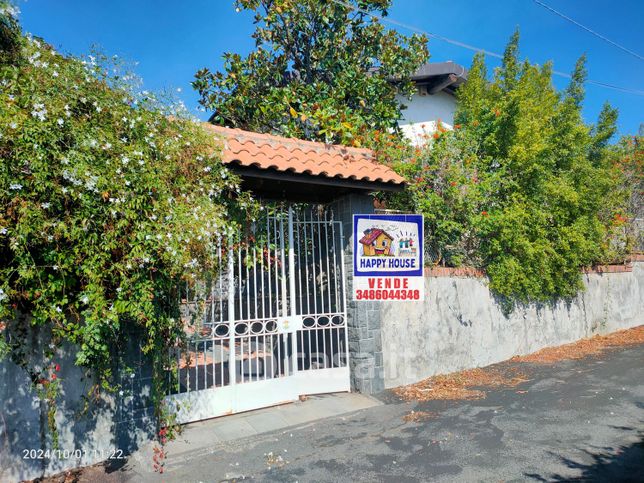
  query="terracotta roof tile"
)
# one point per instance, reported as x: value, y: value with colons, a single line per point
x: 371, y: 235
x: 266, y: 151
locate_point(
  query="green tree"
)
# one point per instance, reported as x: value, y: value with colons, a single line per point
x: 320, y: 71
x: 523, y: 187
x: 628, y: 159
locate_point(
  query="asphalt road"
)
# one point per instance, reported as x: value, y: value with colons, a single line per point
x: 573, y: 420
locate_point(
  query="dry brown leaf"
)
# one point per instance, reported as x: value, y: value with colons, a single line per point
x: 586, y: 347
x: 417, y: 416
x: 460, y: 385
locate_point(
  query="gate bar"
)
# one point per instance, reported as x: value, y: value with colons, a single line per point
x: 284, y: 311
x: 231, y: 315
x: 291, y: 281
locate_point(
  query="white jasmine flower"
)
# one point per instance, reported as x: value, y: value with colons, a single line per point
x: 207, y: 169
x: 2, y: 295
x: 15, y: 186
x: 10, y: 10
x: 55, y: 74
x: 45, y: 206
x: 13, y: 125
x: 58, y: 309
x: 39, y: 111
x: 3, y: 231
x: 85, y: 299
x: 60, y: 121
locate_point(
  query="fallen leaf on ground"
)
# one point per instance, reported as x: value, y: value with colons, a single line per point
x: 585, y: 347
x: 460, y: 385
x: 417, y: 416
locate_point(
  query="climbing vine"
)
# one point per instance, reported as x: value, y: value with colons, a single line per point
x: 110, y: 199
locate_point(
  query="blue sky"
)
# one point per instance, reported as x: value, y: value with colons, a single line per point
x: 171, y: 40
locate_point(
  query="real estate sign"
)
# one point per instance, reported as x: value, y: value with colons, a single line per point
x: 388, y: 257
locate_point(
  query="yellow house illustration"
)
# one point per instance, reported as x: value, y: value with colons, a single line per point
x: 376, y: 242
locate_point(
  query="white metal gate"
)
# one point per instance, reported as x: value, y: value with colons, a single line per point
x: 274, y: 321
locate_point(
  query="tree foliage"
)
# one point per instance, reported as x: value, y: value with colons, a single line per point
x: 522, y: 187
x: 320, y: 71
x: 628, y: 158
x: 106, y: 203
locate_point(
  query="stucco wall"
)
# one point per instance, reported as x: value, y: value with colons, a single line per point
x: 459, y: 325
x: 112, y: 425
x: 423, y: 112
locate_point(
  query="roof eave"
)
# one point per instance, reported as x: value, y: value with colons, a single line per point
x: 289, y: 177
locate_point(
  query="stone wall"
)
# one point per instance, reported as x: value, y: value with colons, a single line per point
x: 365, y: 344
x: 90, y: 429
x: 460, y: 325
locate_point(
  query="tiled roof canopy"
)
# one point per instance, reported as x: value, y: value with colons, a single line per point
x: 267, y: 152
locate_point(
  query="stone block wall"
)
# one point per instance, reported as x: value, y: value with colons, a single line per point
x: 364, y: 317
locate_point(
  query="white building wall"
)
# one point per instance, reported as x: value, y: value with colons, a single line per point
x: 423, y: 112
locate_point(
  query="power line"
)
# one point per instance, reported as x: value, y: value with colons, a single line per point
x: 596, y: 34
x: 474, y: 48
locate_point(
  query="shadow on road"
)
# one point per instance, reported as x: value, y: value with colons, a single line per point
x: 615, y: 464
